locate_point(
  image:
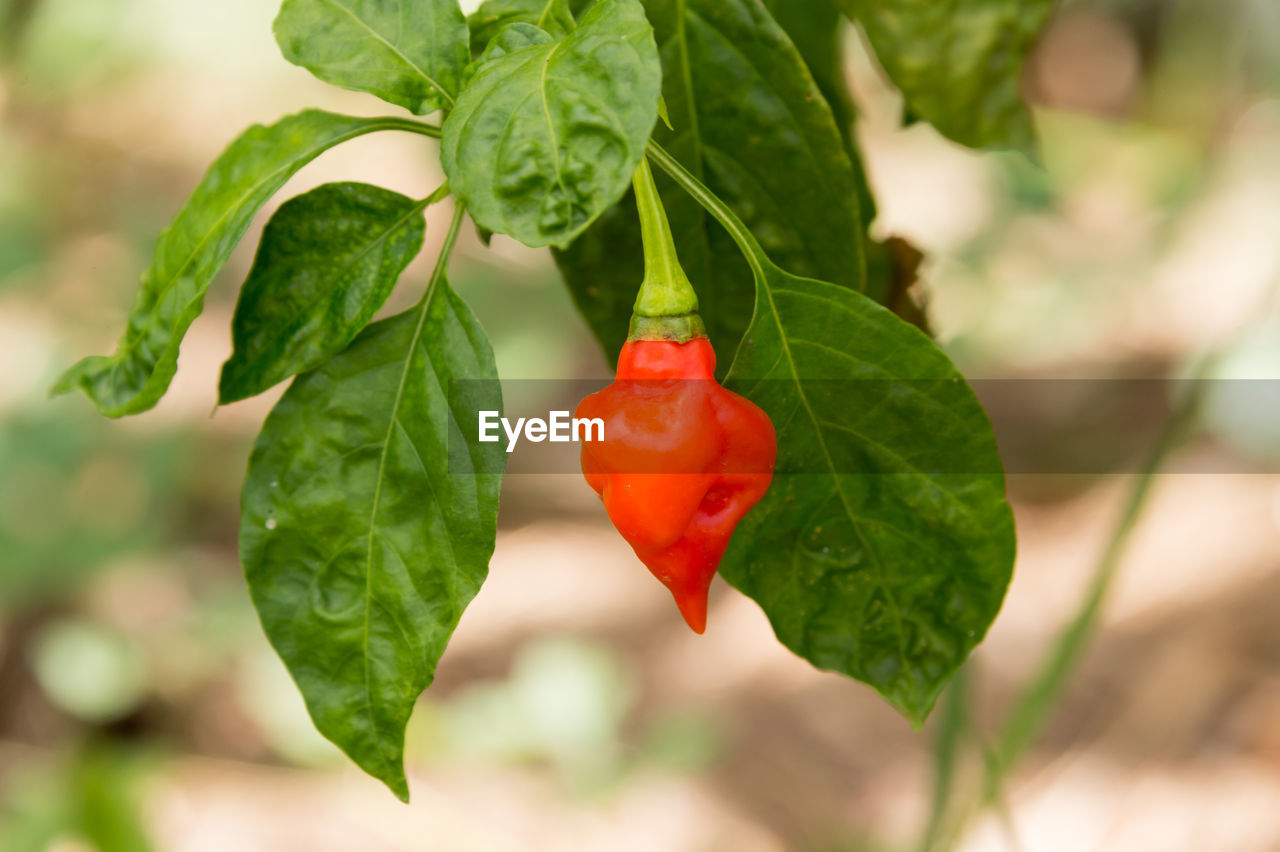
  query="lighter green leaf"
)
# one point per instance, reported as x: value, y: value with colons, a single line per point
x: 408, y: 52
x: 363, y: 536
x: 552, y: 16
x: 544, y: 139
x: 751, y: 123
x: 958, y: 62
x: 884, y: 546
x: 512, y: 38
x: 327, y: 262
x: 196, y: 245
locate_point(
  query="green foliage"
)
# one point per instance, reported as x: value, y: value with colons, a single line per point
x: 327, y: 262
x: 882, y: 549
x: 512, y: 38
x: 958, y: 62
x: 814, y: 26
x: 545, y: 138
x: 551, y: 16
x: 408, y: 53
x: 362, y: 537
x: 899, y: 555
x: 885, y: 545
x: 192, y: 250
x: 751, y: 124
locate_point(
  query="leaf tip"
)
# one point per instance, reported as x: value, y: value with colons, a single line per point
x: 663, y: 114
x: 228, y: 392
x: 400, y: 787
x: 917, y: 706
x: 78, y: 377
x: 917, y: 719
x: 63, y: 385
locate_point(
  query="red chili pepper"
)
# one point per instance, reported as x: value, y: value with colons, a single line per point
x: 682, y: 461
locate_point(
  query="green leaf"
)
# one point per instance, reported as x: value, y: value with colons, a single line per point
x: 884, y: 546
x: 814, y: 26
x: 410, y: 52
x: 544, y: 139
x: 751, y: 123
x: 512, y: 38
x: 327, y: 262
x: 958, y: 62
x: 195, y: 246
x: 551, y: 16
x: 363, y: 537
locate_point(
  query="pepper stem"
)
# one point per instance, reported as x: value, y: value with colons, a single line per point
x: 665, y: 290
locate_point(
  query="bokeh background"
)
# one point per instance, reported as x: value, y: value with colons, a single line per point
x: 141, y: 708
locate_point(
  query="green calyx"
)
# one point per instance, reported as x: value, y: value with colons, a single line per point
x: 678, y: 328
x: 665, y: 290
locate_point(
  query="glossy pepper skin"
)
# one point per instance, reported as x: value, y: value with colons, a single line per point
x: 682, y: 461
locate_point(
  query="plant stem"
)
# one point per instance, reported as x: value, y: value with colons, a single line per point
x: 747, y: 244
x: 1033, y: 708
x: 665, y: 290
x: 450, y: 238
x: 1036, y: 704
x: 440, y: 193
x: 408, y: 125
x: 952, y: 726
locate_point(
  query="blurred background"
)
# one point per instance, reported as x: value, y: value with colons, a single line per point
x: 141, y: 708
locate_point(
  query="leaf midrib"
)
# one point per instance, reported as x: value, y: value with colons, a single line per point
x: 540, y: 92
x: 393, y: 420
x: 349, y: 261
x: 546, y: 10
x: 169, y: 282
x: 796, y: 121
x: 784, y: 341
x: 379, y: 37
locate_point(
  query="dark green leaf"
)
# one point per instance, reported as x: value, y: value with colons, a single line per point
x: 196, y: 245
x: 751, y: 123
x: 814, y: 26
x: 544, y: 139
x: 551, y: 16
x: 890, y: 565
x: 885, y: 545
x: 327, y: 262
x: 958, y: 62
x: 362, y: 537
x: 603, y: 268
x: 410, y: 53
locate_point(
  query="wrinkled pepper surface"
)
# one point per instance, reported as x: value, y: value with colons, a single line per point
x: 682, y: 459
